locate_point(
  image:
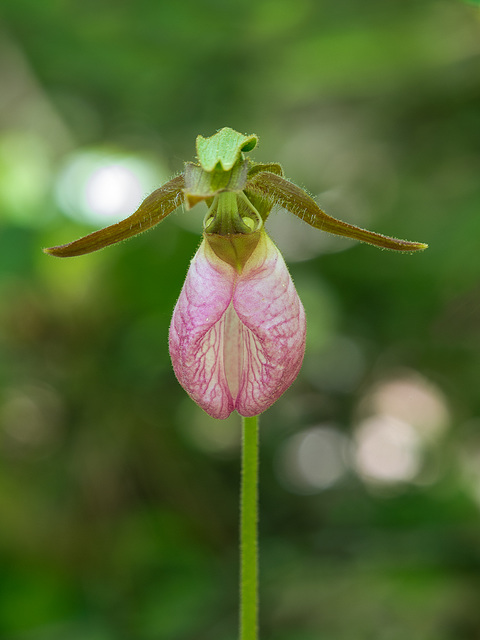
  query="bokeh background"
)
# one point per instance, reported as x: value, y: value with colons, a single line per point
x: 118, y: 496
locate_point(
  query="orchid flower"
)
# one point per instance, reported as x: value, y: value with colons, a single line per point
x: 237, y: 336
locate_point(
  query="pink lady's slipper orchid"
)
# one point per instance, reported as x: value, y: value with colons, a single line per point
x: 237, y: 336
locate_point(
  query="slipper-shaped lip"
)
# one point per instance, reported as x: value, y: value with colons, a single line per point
x: 237, y: 340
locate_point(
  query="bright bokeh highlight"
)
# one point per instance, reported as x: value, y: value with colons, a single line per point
x: 99, y: 187
x: 405, y: 416
x: 387, y: 450
x: 313, y: 460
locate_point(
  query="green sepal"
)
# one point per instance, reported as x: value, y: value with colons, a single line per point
x: 201, y: 184
x: 152, y: 210
x: 276, y: 190
x: 224, y: 148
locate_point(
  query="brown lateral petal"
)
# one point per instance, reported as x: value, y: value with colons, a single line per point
x: 153, y: 209
x: 298, y: 202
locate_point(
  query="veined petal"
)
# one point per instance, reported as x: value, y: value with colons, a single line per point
x: 274, y: 329
x: 196, y: 338
x: 237, y: 340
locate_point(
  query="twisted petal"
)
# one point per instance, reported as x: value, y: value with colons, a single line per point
x: 276, y: 190
x: 237, y: 340
x: 153, y: 209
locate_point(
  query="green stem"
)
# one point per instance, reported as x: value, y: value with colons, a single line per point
x: 248, y: 531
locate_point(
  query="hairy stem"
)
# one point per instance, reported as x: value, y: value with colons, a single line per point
x: 248, y: 531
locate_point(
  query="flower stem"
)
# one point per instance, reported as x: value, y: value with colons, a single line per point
x: 248, y: 531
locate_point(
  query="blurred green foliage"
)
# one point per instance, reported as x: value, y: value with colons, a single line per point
x: 118, y: 496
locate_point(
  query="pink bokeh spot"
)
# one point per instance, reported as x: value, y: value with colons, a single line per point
x: 237, y: 340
